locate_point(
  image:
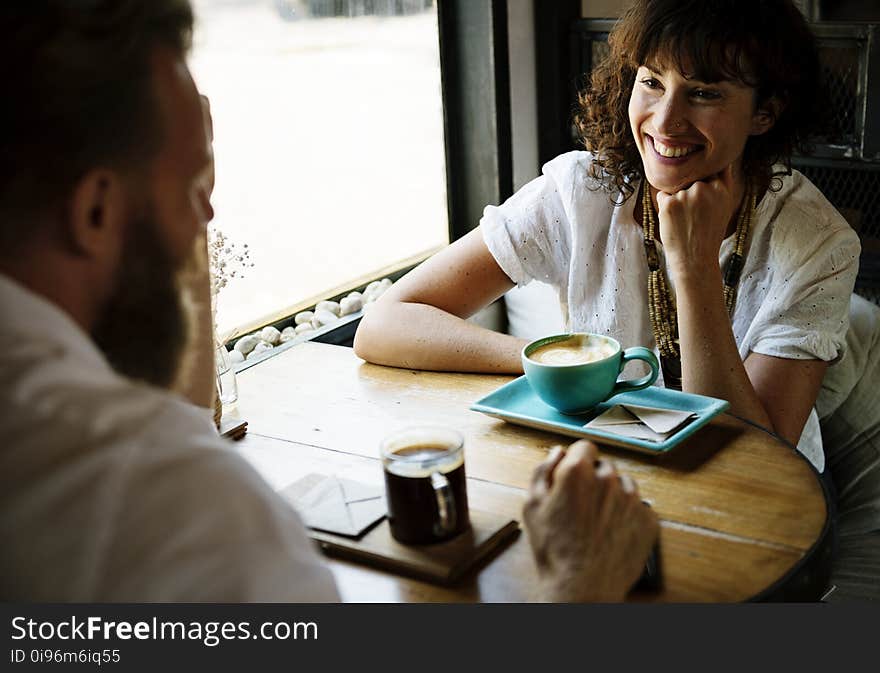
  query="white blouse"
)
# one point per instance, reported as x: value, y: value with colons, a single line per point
x: 794, y: 290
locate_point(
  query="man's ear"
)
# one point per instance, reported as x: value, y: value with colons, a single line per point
x: 96, y: 213
x: 766, y: 115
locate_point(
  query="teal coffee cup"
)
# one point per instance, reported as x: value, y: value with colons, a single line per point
x: 575, y: 372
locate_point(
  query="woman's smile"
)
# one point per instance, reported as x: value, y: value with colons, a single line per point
x: 674, y: 151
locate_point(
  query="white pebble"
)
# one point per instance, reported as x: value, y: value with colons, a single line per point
x: 376, y: 289
x: 247, y: 343
x: 331, y: 306
x: 261, y: 347
x: 303, y: 317
x: 324, y: 318
x: 350, y: 305
x: 270, y: 335
x: 235, y: 357
x: 305, y: 327
x: 355, y: 294
x: 287, y: 334
x: 382, y: 287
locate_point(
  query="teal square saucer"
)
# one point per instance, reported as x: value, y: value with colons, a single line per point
x: 517, y: 403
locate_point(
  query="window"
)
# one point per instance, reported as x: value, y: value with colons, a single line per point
x: 329, y: 144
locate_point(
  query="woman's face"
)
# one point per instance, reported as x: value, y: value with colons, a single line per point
x: 687, y: 130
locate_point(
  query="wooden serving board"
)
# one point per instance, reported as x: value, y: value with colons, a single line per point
x: 443, y: 563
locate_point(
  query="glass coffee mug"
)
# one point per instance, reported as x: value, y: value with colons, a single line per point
x: 425, y: 486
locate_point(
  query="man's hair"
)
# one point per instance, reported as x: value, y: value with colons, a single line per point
x: 78, y: 95
x: 765, y: 44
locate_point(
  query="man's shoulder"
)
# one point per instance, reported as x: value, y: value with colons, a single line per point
x: 197, y: 510
x: 58, y: 405
x: 61, y: 412
x: 130, y: 494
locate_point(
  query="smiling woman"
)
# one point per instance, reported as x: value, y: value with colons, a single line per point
x: 733, y: 266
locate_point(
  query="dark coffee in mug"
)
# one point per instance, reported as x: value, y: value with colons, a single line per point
x: 425, y: 488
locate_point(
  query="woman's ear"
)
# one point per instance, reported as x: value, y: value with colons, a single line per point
x: 766, y: 115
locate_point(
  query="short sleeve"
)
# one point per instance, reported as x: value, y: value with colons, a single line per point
x: 529, y: 234
x: 805, y: 314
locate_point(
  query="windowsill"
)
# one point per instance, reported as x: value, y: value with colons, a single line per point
x: 339, y: 333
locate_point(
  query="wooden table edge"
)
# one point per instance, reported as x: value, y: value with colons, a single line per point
x: 782, y: 589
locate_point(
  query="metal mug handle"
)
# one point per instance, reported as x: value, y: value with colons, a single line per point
x: 445, y: 505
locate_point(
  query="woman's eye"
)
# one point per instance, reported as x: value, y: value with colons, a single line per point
x: 705, y: 94
x: 651, y: 83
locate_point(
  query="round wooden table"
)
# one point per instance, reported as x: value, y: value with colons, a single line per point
x: 743, y: 515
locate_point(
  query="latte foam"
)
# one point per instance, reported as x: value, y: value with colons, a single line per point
x: 574, y: 351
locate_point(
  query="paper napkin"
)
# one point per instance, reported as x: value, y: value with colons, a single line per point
x: 638, y: 422
x: 339, y: 506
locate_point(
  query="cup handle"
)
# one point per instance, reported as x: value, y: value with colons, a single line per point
x: 445, y: 504
x: 637, y: 353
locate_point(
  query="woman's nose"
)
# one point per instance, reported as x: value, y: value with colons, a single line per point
x: 671, y: 116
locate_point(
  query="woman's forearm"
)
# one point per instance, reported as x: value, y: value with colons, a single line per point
x: 710, y: 361
x: 419, y: 336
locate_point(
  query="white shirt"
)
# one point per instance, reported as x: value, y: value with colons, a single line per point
x: 112, y: 490
x: 794, y: 290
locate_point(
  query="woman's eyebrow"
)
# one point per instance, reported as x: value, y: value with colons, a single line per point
x: 657, y: 69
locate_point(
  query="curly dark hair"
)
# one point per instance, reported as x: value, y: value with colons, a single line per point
x: 80, y: 94
x: 764, y: 44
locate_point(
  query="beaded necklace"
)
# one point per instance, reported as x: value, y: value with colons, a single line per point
x: 661, y: 303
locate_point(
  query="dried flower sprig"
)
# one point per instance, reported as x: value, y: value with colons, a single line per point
x: 228, y: 260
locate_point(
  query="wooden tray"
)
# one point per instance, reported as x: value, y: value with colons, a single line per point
x: 441, y: 563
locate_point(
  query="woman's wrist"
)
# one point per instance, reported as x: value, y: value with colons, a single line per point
x: 698, y: 275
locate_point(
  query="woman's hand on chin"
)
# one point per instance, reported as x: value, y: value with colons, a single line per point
x: 694, y: 221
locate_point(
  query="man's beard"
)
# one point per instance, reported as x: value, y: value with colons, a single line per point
x: 145, y: 326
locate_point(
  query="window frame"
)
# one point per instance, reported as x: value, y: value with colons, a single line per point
x: 475, y: 90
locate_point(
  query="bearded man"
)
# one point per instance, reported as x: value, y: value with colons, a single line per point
x: 114, y: 485
x: 112, y: 488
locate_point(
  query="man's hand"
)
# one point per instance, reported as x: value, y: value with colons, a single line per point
x: 197, y: 380
x: 590, y: 532
x: 209, y: 132
x: 198, y: 376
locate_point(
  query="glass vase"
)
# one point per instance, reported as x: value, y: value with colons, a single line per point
x: 227, y: 386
